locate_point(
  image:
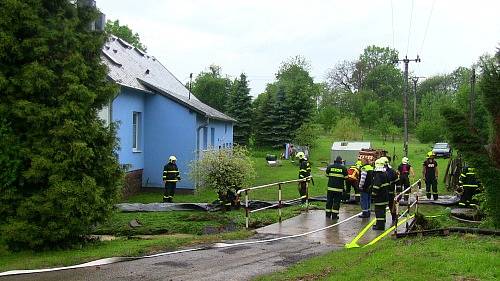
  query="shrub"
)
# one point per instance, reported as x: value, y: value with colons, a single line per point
x: 347, y: 128
x: 223, y: 170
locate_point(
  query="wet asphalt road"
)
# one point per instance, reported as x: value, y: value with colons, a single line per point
x: 234, y: 263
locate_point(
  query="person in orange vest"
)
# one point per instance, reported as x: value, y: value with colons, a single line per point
x: 352, y: 181
x: 170, y: 178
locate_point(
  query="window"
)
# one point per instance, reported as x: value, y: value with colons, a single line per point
x: 136, y: 131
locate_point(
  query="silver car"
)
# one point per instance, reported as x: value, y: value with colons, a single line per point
x: 442, y: 149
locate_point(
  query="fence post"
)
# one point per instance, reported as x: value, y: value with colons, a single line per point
x: 408, y: 208
x: 396, y: 206
x: 307, y: 196
x: 246, y: 208
x: 279, y: 201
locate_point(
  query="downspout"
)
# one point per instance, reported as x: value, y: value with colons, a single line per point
x: 205, y: 124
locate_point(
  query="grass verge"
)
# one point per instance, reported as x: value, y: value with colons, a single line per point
x: 456, y: 257
x: 120, y: 247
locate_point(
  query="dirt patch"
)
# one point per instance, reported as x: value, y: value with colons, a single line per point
x: 172, y: 263
x: 316, y: 276
x: 290, y: 258
x: 232, y: 250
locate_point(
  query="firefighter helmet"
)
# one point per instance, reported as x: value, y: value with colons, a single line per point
x: 404, y: 160
x: 172, y: 158
x: 430, y: 154
x: 379, y: 163
x: 300, y: 155
x: 385, y: 160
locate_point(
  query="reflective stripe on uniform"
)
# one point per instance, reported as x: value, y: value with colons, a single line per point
x: 335, y: 175
x: 376, y: 187
x: 335, y: 189
x: 171, y: 180
x: 381, y: 219
x: 335, y: 211
x: 380, y: 203
x: 470, y: 185
x: 172, y: 171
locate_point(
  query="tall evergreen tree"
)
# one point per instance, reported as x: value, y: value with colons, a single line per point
x: 264, y: 120
x: 240, y: 108
x: 125, y: 33
x: 281, y: 128
x: 64, y: 176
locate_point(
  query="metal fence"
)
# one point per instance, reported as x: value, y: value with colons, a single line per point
x: 406, y: 213
x: 280, y: 203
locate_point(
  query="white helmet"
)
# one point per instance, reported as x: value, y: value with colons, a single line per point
x: 300, y: 155
x: 172, y: 158
x: 404, y: 160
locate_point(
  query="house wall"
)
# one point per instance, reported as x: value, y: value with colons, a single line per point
x: 213, y: 134
x: 124, y: 105
x: 170, y: 130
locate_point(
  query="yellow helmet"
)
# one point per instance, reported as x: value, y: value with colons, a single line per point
x: 172, y: 158
x: 430, y: 154
x: 379, y: 163
x: 300, y: 155
x: 385, y: 160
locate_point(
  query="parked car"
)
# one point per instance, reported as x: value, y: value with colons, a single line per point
x: 442, y: 149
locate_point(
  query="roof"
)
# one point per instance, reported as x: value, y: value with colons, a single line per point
x: 133, y: 68
x: 350, y: 145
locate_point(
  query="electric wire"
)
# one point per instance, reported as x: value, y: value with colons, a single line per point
x: 392, y: 22
x: 427, y: 27
x: 409, y: 28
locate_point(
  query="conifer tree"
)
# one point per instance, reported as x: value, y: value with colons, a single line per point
x: 264, y: 120
x: 63, y: 176
x: 240, y: 108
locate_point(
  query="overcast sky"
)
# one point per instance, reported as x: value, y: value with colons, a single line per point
x: 255, y: 36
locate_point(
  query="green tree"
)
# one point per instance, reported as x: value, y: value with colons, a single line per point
x: 371, y: 112
x: 307, y: 134
x: 240, y: 108
x: 264, y: 120
x: 124, y: 32
x: 348, y: 129
x: 64, y: 177
x: 211, y: 88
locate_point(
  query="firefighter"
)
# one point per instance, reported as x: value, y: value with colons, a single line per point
x: 405, y: 170
x: 170, y: 178
x: 352, y: 182
x: 392, y: 177
x: 304, y: 172
x: 364, y: 187
x: 430, y: 173
x: 337, y: 175
x: 379, y: 193
x: 470, y: 186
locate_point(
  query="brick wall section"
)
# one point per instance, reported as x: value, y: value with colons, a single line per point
x: 133, y: 183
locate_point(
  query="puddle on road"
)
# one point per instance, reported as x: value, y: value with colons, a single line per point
x: 315, y: 219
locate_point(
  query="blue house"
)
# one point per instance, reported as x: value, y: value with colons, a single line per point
x: 158, y: 117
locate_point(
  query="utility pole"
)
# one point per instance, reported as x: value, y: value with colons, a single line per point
x: 472, y: 97
x: 405, y: 101
x: 190, y: 82
x: 415, y: 81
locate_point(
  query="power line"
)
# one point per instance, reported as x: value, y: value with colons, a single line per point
x: 409, y: 28
x: 392, y: 20
x: 427, y: 26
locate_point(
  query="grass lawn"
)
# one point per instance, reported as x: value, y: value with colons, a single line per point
x: 119, y: 247
x: 456, y: 257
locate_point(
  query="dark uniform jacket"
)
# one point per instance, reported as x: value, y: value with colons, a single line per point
x: 380, y: 186
x: 304, y: 169
x: 171, y: 173
x: 392, y: 177
x: 337, y: 174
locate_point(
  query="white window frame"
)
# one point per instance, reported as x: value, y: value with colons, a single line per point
x: 136, y: 131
